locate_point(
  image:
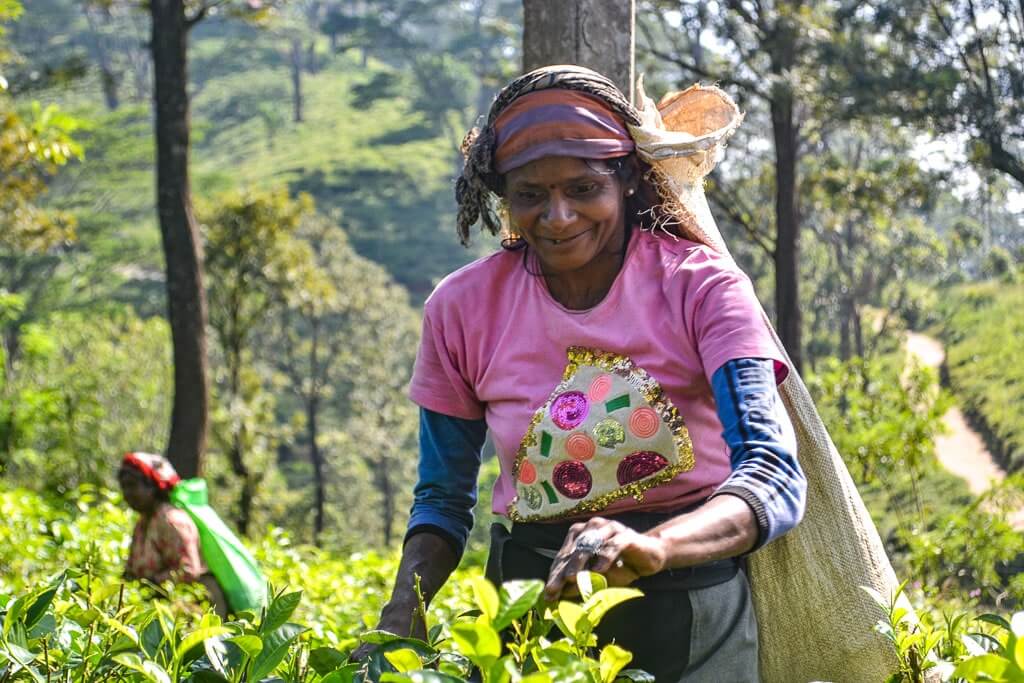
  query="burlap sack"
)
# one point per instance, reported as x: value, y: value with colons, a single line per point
x: 815, y: 622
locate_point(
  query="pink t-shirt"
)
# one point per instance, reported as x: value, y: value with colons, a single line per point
x: 496, y: 345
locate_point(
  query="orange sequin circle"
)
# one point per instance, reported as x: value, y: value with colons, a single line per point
x: 600, y: 387
x: 580, y: 447
x: 644, y: 422
x: 527, y: 472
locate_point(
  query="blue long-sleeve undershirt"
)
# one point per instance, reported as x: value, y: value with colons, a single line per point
x: 756, y: 428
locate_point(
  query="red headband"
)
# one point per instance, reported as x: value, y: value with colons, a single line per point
x: 156, y: 468
x: 558, y: 122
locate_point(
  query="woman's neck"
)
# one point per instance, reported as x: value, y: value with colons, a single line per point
x: 587, y: 287
x: 577, y: 292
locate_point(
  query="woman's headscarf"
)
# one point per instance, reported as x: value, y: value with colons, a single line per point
x: 154, y: 467
x: 597, y: 123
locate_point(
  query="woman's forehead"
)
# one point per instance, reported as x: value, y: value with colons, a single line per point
x: 556, y: 170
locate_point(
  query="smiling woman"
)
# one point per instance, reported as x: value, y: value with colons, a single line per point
x: 571, y: 212
x: 626, y: 377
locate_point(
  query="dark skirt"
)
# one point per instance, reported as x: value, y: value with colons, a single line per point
x: 685, y: 622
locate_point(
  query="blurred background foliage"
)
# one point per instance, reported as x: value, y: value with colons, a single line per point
x: 325, y: 143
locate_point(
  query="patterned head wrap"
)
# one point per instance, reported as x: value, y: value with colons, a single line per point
x: 477, y: 189
x: 558, y: 122
x: 154, y: 467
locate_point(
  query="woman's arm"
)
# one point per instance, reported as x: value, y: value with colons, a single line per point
x: 441, y: 518
x: 430, y: 557
x: 762, y: 498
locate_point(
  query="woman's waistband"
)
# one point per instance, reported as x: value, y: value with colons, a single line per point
x: 545, y: 538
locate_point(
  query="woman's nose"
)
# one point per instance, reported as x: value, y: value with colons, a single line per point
x: 559, y: 212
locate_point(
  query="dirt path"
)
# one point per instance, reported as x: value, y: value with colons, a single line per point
x: 960, y: 450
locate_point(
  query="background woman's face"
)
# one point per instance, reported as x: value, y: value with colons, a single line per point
x: 138, y: 491
x: 569, y: 210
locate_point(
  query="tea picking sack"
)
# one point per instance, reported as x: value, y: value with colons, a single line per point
x: 815, y: 621
x: 229, y: 560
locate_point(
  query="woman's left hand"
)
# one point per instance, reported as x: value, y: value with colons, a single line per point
x: 606, y: 547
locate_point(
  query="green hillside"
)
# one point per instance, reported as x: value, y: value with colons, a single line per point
x: 371, y: 160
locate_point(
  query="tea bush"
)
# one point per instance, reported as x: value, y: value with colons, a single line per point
x: 982, y: 327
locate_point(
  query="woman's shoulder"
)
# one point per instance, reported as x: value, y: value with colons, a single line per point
x: 170, y: 517
x: 680, y: 256
x: 475, y: 282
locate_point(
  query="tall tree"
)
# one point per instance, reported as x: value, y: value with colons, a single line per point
x: 769, y: 52
x: 183, y: 253
x: 345, y: 341
x: 252, y: 258
x: 598, y: 34
x: 956, y: 66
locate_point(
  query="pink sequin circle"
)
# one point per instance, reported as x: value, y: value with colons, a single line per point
x: 580, y: 447
x: 644, y: 422
x: 572, y: 479
x: 639, y: 465
x: 600, y: 388
x: 570, y: 409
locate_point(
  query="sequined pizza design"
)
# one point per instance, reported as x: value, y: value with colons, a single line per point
x: 608, y: 431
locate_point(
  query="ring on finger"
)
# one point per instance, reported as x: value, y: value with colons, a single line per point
x: 588, y: 543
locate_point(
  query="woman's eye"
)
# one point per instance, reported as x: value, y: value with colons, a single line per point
x: 584, y: 188
x: 527, y: 195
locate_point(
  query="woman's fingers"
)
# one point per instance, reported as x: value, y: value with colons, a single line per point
x: 587, y: 546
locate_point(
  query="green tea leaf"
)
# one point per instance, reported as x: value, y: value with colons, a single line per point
x: 995, y: 620
x: 217, y: 654
x: 477, y: 641
x: 485, y: 595
x: 250, y: 645
x: 197, y: 637
x: 345, y: 674
x: 148, y: 668
x: 280, y: 611
x: 404, y: 659
x: 589, y: 583
x: 990, y: 664
x: 275, y: 647
x: 600, y: 602
x: 324, y: 660
x: 516, y: 599
x: 42, y: 602
x: 418, y: 677
x: 570, y: 614
x: 613, y: 658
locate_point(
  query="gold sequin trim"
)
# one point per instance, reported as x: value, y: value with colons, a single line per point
x: 651, y: 390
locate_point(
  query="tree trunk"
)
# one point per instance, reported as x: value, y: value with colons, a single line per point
x: 296, y: 64
x: 845, y: 327
x: 108, y: 78
x: 186, y: 301
x: 236, y: 453
x: 388, y: 499
x: 787, y: 217
x: 312, y: 426
x: 787, y: 222
x: 319, y: 495
x: 598, y: 34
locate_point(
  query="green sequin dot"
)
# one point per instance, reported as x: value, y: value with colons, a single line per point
x: 532, y: 497
x: 609, y: 433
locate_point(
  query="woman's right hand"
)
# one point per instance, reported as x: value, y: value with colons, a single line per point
x: 432, y: 559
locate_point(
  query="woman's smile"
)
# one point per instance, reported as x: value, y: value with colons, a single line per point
x: 561, y: 241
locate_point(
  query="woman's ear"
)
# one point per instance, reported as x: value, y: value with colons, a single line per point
x: 629, y: 175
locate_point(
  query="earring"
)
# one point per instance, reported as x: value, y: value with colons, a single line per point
x: 630, y: 192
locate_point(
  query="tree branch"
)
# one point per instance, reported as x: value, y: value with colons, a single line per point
x: 737, y: 212
x: 201, y: 13
x: 747, y: 86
